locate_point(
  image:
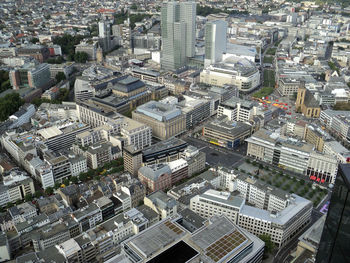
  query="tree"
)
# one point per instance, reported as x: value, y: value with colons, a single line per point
x: 28, y: 197
x: 9, y: 205
x: 9, y: 104
x: 66, y: 182
x: 81, y: 57
x: 74, y: 179
x: 83, y: 177
x: 37, y: 194
x: 133, y: 7
x: 60, y: 76
x: 269, y: 245
x: 34, y: 40
x: 57, y: 185
x: 97, y: 178
x: 49, y: 191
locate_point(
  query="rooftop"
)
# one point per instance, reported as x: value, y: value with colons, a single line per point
x: 159, y: 111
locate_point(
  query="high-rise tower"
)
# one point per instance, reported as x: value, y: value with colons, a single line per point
x: 178, y: 23
x: 215, y: 41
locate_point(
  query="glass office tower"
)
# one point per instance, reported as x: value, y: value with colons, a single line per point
x: 335, y: 241
x: 178, y: 25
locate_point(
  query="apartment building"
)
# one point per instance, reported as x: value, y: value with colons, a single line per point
x: 87, y: 217
x: 78, y: 164
x: 281, y: 226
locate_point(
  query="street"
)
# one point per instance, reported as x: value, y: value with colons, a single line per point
x: 217, y: 155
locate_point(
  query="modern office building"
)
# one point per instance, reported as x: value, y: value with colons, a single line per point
x: 215, y: 41
x: 226, y: 133
x: 30, y: 75
x: 165, y: 120
x: 178, y: 24
x: 104, y: 33
x: 335, y: 240
x: 237, y: 109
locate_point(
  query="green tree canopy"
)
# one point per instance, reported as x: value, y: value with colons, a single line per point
x: 81, y: 57
x: 60, y: 76
x: 9, y: 104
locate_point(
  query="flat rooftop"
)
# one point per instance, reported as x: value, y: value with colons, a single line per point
x: 159, y: 236
x: 180, y: 252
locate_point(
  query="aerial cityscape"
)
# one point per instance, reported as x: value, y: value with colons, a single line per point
x: 174, y: 131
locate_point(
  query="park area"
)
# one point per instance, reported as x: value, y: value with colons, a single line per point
x: 283, y: 180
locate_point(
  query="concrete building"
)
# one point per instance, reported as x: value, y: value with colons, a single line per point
x: 260, y: 194
x: 60, y: 166
x: 237, y: 109
x: 162, y: 204
x: 289, y: 86
x: 22, y: 212
x: 15, y: 186
x: 285, y: 152
x: 165, y: 120
x: 338, y: 122
x: 89, y: 49
x: 281, y: 226
x: 132, y: 158
x: 99, y: 154
x: 178, y: 23
x: 226, y: 133
x: 215, y: 41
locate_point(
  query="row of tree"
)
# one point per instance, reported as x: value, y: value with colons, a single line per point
x: 4, y: 81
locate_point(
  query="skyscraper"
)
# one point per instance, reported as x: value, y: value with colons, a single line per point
x: 104, y: 33
x: 215, y: 41
x: 335, y: 241
x: 178, y: 23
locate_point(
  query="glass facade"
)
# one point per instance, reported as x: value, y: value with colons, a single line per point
x: 335, y: 242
